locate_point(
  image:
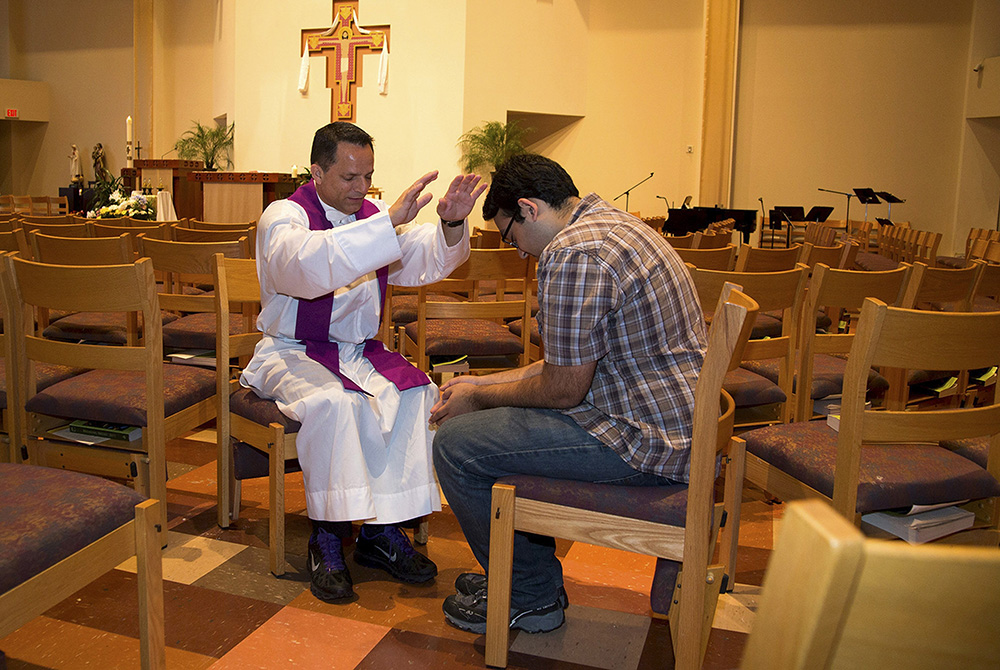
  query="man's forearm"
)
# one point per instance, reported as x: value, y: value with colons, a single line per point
x: 538, y: 385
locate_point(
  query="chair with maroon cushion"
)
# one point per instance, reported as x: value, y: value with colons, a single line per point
x: 184, y: 266
x: 474, y: 328
x: 821, y: 361
x: 883, y: 460
x: 47, y: 557
x: 127, y: 385
x: 758, y: 399
x: 676, y: 523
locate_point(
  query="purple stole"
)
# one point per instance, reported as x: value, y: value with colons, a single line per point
x: 312, y: 320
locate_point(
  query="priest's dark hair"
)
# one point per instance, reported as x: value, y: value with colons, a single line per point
x: 326, y: 139
x: 528, y: 176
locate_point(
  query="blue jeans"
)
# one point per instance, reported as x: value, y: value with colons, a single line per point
x: 474, y: 450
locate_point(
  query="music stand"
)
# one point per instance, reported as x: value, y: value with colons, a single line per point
x: 884, y: 222
x: 819, y: 213
x: 889, y: 198
x: 868, y: 197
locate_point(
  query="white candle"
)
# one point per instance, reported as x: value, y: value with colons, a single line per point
x: 128, y: 129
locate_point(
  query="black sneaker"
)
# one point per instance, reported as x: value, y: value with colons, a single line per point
x: 329, y: 579
x: 468, y: 612
x: 469, y: 583
x: 390, y: 550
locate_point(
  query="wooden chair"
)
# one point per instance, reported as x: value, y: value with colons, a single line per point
x: 185, y: 267
x: 655, y: 222
x: 127, y: 385
x: 49, y: 556
x: 57, y: 229
x: 819, y: 234
x: 22, y: 204
x: 839, y: 255
x: 58, y: 204
x: 80, y: 250
x: 211, y: 225
x: 641, y: 522
x: 6, y: 204
x: 709, y: 259
x: 39, y: 204
x: 182, y: 234
x: 14, y: 240
x: 883, y: 460
x: 681, y: 241
x: 832, y: 599
x: 755, y: 259
x: 473, y: 327
x: 757, y: 397
x: 159, y: 231
x: 51, y: 219
x: 711, y: 240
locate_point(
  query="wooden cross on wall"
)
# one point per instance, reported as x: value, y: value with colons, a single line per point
x: 343, y: 49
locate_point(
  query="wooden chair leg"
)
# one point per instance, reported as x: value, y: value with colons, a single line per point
x: 422, y: 533
x: 150, y: 582
x: 498, y: 586
x: 733, y: 501
x: 709, y: 594
x: 276, y: 479
x: 224, y: 473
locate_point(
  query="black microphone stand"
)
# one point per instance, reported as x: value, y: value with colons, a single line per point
x: 627, y: 191
x: 849, y: 196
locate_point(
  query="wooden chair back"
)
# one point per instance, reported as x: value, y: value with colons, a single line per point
x: 949, y: 288
x: 186, y: 264
x: 992, y: 254
x: 58, y: 204
x: 840, y: 255
x: 655, y: 222
x: 59, y: 230
x: 22, y: 204
x: 212, y: 225
x: 159, y: 231
x: 14, y: 240
x: 836, y: 292
x: 709, y: 259
x: 755, y: 259
x: 833, y: 599
x: 681, y: 241
x: 711, y: 240
x: 39, y: 204
x: 489, y: 238
x: 80, y: 250
x: 182, y: 234
x: 6, y: 204
x: 819, y: 234
x: 47, y: 219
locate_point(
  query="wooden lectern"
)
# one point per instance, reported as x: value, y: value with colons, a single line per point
x: 171, y: 175
x: 233, y: 197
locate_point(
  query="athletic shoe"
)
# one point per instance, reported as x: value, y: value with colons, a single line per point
x: 390, y: 550
x: 329, y: 579
x: 468, y: 612
x: 469, y: 583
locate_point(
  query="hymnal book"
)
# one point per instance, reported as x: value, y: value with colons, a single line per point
x: 923, y: 526
x: 111, y: 431
x: 202, y: 357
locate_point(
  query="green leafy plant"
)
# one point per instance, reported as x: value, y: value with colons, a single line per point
x: 487, y: 146
x: 214, y: 145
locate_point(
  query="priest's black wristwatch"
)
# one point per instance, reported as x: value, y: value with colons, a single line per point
x: 453, y: 224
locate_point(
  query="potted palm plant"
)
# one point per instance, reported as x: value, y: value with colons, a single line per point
x: 213, y: 145
x: 487, y: 146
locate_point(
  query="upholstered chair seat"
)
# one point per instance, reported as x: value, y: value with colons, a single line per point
x: 535, y: 334
x: 828, y: 375
x: 248, y: 461
x: 891, y: 476
x: 750, y: 389
x: 872, y: 262
x: 404, y: 307
x: 196, y: 331
x: 93, y: 327
x: 472, y: 337
x: 47, y: 373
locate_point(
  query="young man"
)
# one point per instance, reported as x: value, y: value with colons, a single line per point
x: 624, y: 339
x: 324, y: 257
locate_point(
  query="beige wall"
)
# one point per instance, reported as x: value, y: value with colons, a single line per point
x: 852, y: 94
x: 83, y: 49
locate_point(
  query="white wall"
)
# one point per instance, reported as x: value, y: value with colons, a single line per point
x: 852, y: 94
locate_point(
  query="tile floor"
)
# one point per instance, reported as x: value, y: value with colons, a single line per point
x: 225, y: 610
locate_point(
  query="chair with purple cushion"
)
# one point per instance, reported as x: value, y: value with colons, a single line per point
x: 675, y: 523
x: 47, y: 557
x: 885, y: 460
x: 473, y: 328
x: 126, y: 385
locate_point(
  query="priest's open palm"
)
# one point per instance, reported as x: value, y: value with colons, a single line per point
x: 462, y: 194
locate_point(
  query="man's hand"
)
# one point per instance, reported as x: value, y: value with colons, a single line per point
x: 411, y: 201
x: 457, y: 397
x: 462, y: 194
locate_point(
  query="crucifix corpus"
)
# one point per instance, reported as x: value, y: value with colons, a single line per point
x: 343, y: 43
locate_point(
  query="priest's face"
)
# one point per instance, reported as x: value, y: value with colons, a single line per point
x: 344, y: 184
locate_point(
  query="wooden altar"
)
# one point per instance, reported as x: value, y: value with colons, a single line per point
x: 171, y: 175
x: 233, y: 197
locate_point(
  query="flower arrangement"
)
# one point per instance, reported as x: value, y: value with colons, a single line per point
x: 136, y: 206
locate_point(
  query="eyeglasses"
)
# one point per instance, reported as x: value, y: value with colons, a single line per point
x: 503, y: 235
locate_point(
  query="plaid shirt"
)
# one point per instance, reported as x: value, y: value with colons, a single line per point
x: 611, y: 290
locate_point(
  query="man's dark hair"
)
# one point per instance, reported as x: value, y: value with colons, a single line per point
x: 528, y: 176
x: 326, y: 139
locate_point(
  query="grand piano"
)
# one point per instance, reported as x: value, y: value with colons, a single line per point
x: 695, y: 219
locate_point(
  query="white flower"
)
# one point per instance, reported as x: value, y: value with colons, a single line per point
x: 116, y: 196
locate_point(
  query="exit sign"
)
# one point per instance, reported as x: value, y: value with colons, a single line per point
x: 11, y: 113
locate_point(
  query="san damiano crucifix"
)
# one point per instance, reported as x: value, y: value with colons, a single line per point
x: 343, y: 44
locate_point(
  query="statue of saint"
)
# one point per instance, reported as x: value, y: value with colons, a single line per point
x: 100, y: 163
x: 75, y: 175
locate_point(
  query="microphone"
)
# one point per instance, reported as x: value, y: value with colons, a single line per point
x: 763, y: 212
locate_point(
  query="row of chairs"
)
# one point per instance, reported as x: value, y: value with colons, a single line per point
x: 33, y: 204
x: 760, y: 259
